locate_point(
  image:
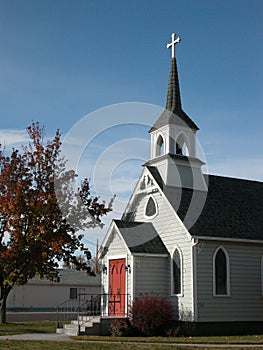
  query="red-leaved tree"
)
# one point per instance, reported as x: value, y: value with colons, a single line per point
x: 36, y: 230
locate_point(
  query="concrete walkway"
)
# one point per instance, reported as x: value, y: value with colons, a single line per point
x: 38, y: 336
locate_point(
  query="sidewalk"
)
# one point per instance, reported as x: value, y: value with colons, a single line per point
x: 38, y: 336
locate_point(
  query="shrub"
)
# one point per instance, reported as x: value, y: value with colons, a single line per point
x: 120, y: 327
x: 151, y: 314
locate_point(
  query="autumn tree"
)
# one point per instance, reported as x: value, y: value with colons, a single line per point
x: 41, y: 213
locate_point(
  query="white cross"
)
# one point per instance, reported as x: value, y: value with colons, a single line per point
x: 173, y: 43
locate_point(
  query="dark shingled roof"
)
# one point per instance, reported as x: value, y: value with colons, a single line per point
x: 155, y: 173
x: 174, y: 113
x: 141, y: 237
x: 233, y: 208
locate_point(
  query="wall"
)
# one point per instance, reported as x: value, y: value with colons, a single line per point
x: 245, y: 302
x: 44, y: 296
x: 173, y: 234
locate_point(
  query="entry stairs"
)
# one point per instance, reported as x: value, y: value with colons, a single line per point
x: 84, y: 325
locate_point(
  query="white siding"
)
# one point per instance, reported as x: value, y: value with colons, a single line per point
x: 44, y: 296
x: 152, y: 275
x: 245, y: 302
x: 173, y: 234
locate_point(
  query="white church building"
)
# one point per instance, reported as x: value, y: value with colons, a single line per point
x: 193, y: 238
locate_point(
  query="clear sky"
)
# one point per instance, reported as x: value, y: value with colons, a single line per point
x: 61, y: 60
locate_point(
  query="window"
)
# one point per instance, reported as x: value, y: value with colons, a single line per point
x: 177, y: 273
x: 151, y: 209
x: 159, y: 146
x: 73, y: 293
x: 221, y: 272
x: 181, y: 147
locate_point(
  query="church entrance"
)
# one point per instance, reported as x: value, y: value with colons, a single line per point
x: 117, y: 288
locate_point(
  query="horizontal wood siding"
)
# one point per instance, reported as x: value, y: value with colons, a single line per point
x: 173, y: 234
x: 152, y: 275
x: 245, y: 302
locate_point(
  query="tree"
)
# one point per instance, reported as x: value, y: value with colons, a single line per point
x: 36, y: 230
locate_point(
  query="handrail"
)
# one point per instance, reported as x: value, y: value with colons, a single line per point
x: 93, y: 305
x: 65, y: 310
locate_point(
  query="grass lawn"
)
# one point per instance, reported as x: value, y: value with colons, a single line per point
x: 28, y: 327
x: 245, y: 339
x: 46, y: 345
x: 107, y: 343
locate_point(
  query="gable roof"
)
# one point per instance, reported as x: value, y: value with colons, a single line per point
x: 141, y: 237
x: 233, y: 208
x: 70, y: 277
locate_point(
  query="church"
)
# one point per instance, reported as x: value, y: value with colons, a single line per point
x: 193, y: 238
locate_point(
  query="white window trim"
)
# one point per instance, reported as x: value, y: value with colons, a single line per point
x: 156, y: 206
x: 227, y: 272
x: 158, y: 150
x: 172, y: 277
x: 185, y: 142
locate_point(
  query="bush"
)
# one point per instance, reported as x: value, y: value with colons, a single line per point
x: 120, y: 327
x: 151, y: 314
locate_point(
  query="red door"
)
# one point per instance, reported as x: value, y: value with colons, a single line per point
x: 117, y: 288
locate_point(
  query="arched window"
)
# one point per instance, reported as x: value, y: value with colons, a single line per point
x: 159, y: 146
x: 177, y: 272
x: 181, y: 147
x: 221, y: 272
x: 151, y: 209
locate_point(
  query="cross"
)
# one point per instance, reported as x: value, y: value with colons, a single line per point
x: 173, y: 43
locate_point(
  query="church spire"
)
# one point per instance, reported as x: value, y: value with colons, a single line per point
x: 174, y: 113
x: 173, y: 101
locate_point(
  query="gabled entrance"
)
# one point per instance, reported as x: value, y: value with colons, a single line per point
x: 117, y: 287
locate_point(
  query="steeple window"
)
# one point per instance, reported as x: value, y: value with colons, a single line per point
x: 159, y: 146
x: 181, y: 147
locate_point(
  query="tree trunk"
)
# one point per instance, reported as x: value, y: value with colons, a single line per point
x: 3, y: 310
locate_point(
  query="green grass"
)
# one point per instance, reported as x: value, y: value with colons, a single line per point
x: 244, y: 339
x: 28, y: 327
x: 46, y: 345
x: 108, y: 343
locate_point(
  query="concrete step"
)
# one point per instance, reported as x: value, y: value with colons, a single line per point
x: 87, y: 318
x: 88, y: 325
x: 71, y: 329
x: 60, y: 330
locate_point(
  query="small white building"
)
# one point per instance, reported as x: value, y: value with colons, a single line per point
x: 193, y: 238
x: 44, y: 295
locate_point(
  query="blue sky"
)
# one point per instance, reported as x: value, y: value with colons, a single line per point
x: 61, y: 60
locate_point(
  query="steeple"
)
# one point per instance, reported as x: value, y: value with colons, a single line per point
x: 173, y: 100
x: 173, y: 138
x: 174, y: 113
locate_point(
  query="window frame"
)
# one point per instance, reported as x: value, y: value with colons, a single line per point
x: 160, y: 145
x: 227, y: 273
x: 156, y: 208
x: 181, y: 272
